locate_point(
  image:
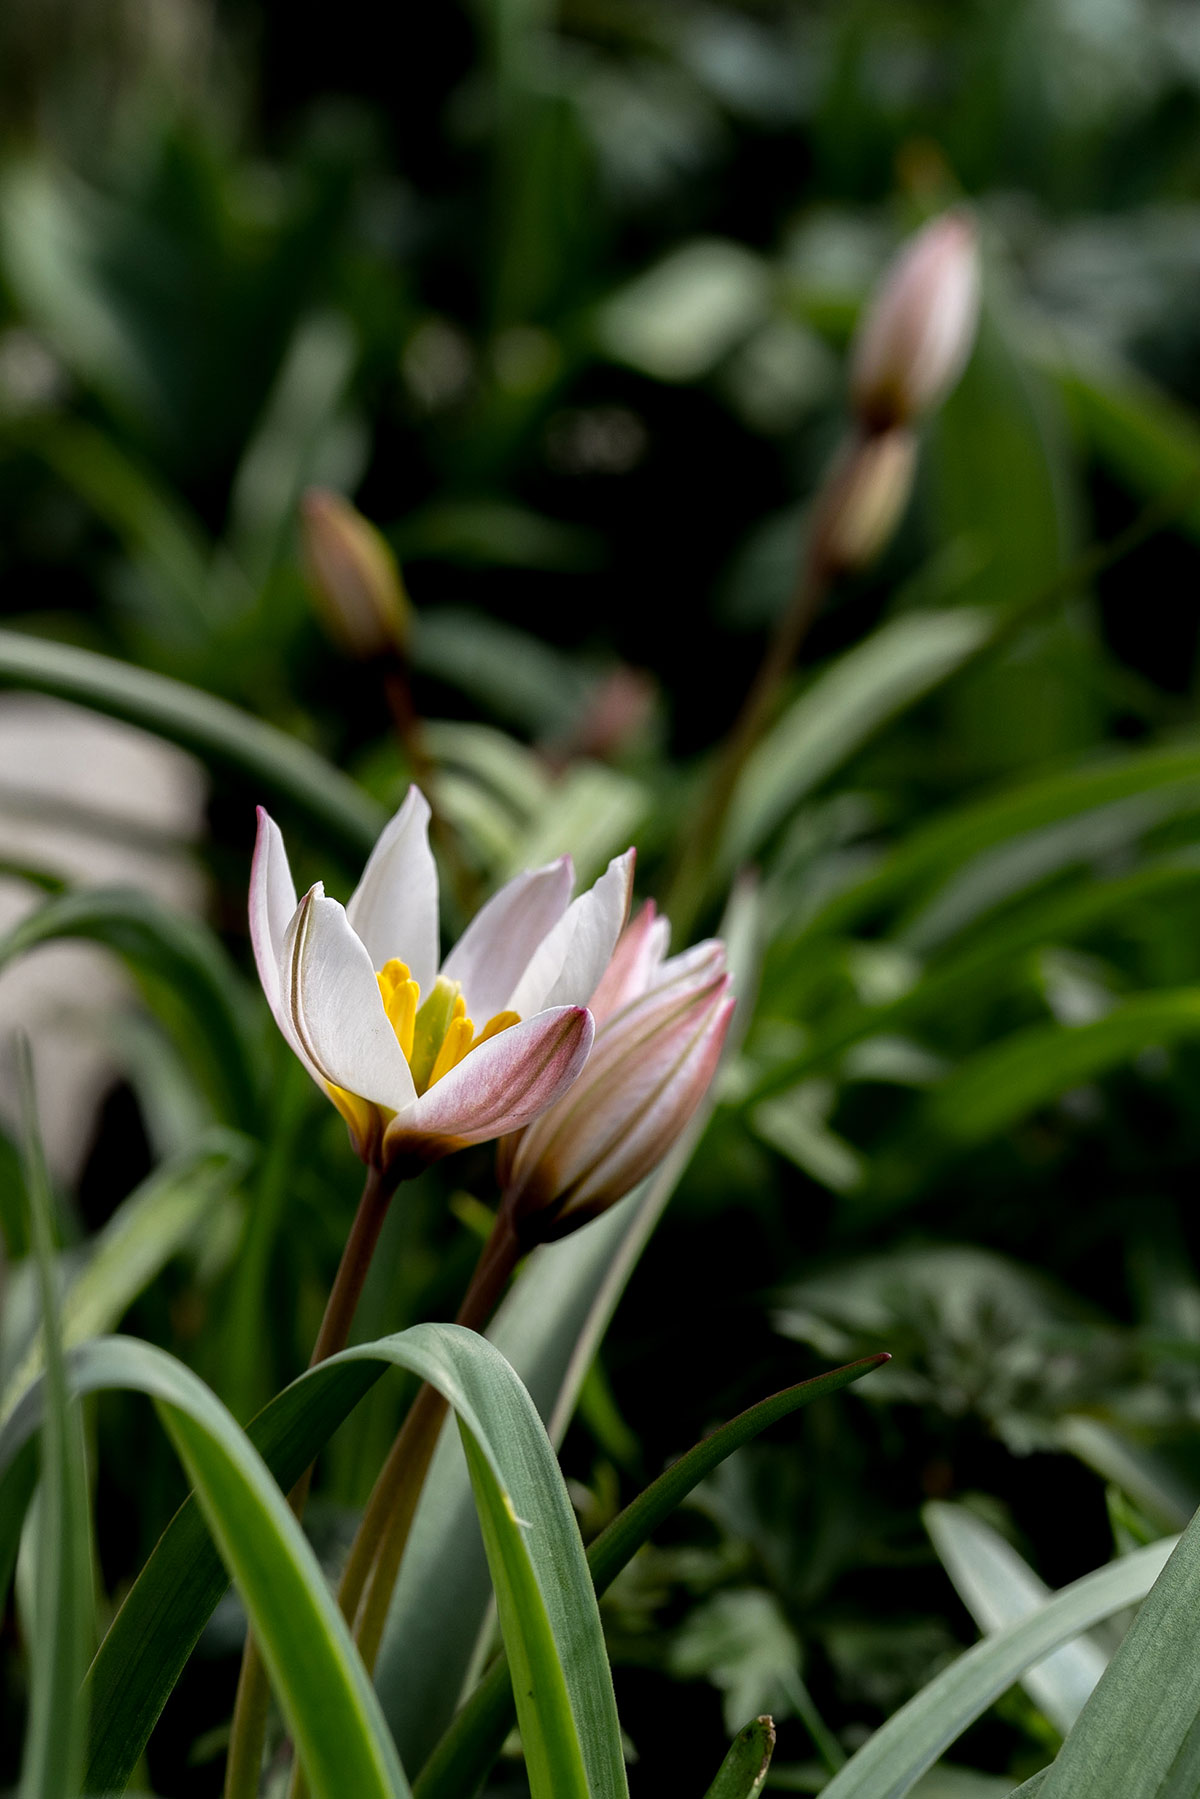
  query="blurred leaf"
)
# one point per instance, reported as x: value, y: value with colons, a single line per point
x: 891, y: 1761
x: 743, y: 1773
x: 494, y: 534
x: 285, y: 770
x: 1148, y: 440
x: 741, y: 1641
x: 998, y: 1587
x: 142, y: 1235
x: 52, y: 1759
x: 1005, y: 1082
x: 524, y: 683
x: 180, y: 964
x: 681, y: 317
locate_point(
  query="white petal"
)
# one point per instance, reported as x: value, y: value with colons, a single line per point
x: 272, y: 903
x: 569, y: 962
x: 492, y: 953
x: 335, y: 1008
x: 394, y: 908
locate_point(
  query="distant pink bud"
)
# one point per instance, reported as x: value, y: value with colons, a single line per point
x: 352, y: 575
x: 652, y: 1062
x: 920, y: 327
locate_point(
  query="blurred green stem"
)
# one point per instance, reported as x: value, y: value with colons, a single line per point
x: 687, y: 890
x: 248, y: 1731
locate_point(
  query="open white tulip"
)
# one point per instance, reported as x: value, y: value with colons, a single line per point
x: 393, y: 1040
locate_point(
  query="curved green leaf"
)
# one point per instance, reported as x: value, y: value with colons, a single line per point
x: 283, y: 769
x: 546, y: 1594
x: 180, y: 961
x: 471, y: 1743
x: 1138, y: 1736
x: 891, y: 1761
x: 1005, y: 1082
x: 323, y: 1688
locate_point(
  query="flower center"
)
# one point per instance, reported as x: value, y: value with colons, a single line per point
x: 435, y: 1033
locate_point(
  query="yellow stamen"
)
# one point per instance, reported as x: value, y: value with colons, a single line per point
x: 456, y: 1042
x: 499, y: 1022
x: 401, y: 997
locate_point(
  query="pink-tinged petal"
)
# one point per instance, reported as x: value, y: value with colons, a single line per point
x: 335, y: 1008
x: 600, y: 1142
x: 646, y: 1142
x: 567, y: 965
x: 633, y: 1057
x: 394, y: 908
x: 492, y: 953
x: 272, y: 904
x: 640, y: 949
x: 502, y: 1084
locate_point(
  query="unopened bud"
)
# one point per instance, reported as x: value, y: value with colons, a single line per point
x: 920, y: 326
x: 866, y: 492
x: 660, y: 1029
x: 353, y: 575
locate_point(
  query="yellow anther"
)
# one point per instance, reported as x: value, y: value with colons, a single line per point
x: 455, y: 1044
x: 401, y: 997
x: 500, y: 1021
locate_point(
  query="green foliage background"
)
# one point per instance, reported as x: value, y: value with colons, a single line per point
x: 562, y: 300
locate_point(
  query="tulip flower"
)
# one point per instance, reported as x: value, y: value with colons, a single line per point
x: 353, y: 575
x: 920, y: 327
x: 420, y: 1060
x: 661, y: 1025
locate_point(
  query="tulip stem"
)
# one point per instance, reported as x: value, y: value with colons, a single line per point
x: 249, y: 1727
x: 809, y: 589
x: 376, y: 1554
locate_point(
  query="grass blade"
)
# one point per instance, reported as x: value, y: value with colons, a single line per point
x: 893, y: 1760
x: 280, y: 768
x: 53, y: 1746
x: 471, y: 1743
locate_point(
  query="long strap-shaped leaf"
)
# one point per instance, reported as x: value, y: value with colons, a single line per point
x: 469, y: 1746
x: 278, y: 765
x: 1139, y: 1733
x: 900, y: 1751
x: 323, y: 1688
x: 547, y: 1601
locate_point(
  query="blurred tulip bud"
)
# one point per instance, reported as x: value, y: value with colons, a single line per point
x: 920, y: 326
x: 660, y: 1029
x: 353, y: 575
x: 863, y: 499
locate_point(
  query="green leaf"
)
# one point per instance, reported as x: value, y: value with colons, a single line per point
x: 1146, y: 438
x: 1139, y: 1734
x: 859, y: 693
x: 743, y: 1773
x: 138, y: 1240
x: 181, y: 966
x: 470, y: 1745
x: 51, y: 1762
x: 547, y: 1597
x: 997, y: 1587
x: 890, y: 1762
x: 327, y: 1699
x: 1029, y: 1068
x: 285, y: 771
x: 930, y: 852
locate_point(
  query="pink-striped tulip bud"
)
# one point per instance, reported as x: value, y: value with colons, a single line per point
x: 661, y: 1025
x: 353, y: 576
x: 920, y: 327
